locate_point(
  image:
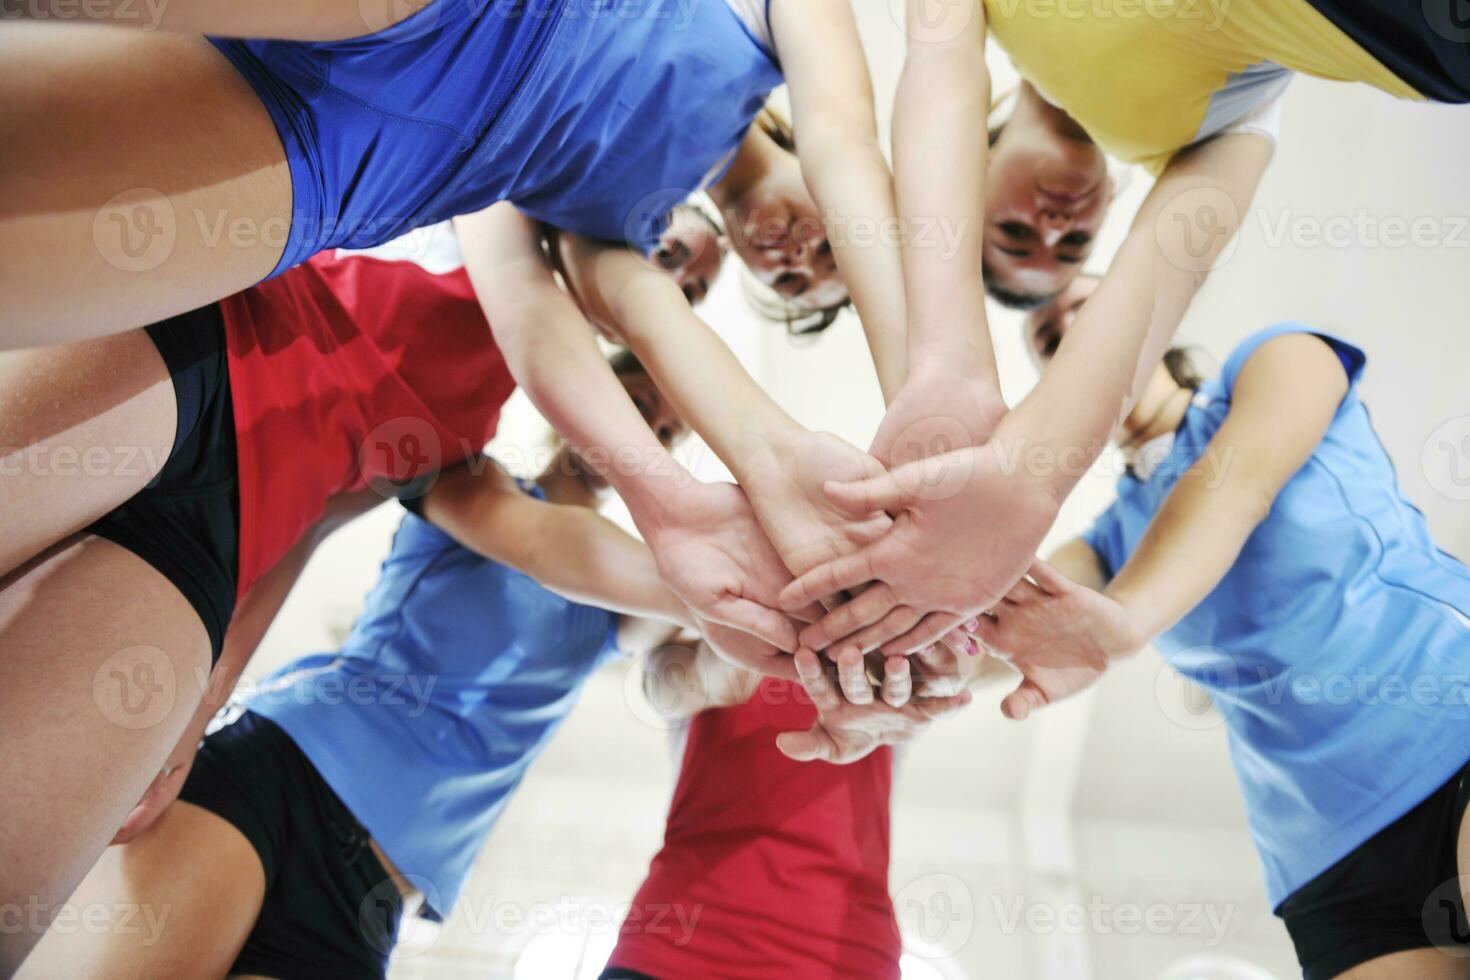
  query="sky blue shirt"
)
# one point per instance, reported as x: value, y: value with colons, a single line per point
x: 1337, y: 647
x: 451, y: 683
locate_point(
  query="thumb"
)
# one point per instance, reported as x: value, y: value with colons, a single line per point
x: 860, y: 498
x: 805, y: 746
x: 1026, y: 698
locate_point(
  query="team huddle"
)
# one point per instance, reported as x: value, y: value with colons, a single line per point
x: 183, y: 285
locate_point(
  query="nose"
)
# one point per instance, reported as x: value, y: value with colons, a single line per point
x: 1053, y: 225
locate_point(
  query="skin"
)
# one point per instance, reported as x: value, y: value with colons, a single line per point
x: 1047, y: 193
x: 692, y: 252
x: 777, y: 229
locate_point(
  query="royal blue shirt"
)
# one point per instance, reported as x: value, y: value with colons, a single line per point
x: 451, y: 683
x: 1337, y: 647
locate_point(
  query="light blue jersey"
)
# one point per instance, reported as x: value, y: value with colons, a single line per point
x: 1337, y: 648
x: 451, y: 683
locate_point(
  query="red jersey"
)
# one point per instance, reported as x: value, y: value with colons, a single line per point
x: 770, y: 868
x: 349, y: 370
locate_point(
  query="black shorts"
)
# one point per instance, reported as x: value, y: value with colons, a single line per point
x: 330, y: 907
x: 186, y: 523
x: 1398, y: 890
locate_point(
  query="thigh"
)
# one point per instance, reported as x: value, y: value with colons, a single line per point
x: 177, y: 901
x: 83, y: 427
x: 143, y: 178
x: 1412, y: 964
x: 101, y: 665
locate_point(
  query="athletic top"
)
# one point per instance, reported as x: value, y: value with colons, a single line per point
x: 778, y: 868
x: 1336, y: 648
x: 594, y: 116
x: 1147, y: 78
x: 346, y: 370
x: 451, y: 683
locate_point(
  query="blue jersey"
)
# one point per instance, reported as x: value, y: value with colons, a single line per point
x: 596, y: 116
x: 451, y: 683
x: 1337, y: 647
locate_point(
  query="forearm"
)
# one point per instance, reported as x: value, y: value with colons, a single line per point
x: 850, y: 181
x: 681, y: 679
x: 1123, y: 330
x: 692, y: 366
x: 1191, y: 544
x: 940, y: 145
x: 579, y: 554
x: 552, y: 353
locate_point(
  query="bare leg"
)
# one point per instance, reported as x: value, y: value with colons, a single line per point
x: 83, y: 427
x: 178, y: 901
x: 100, y: 661
x: 143, y: 178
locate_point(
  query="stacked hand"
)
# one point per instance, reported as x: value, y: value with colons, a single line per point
x: 1059, y: 635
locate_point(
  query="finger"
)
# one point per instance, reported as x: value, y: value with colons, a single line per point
x: 898, y: 683
x: 1025, y: 699
x: 837, y: 575
x: 928, y: 630
x: 159, y: 796
x: 988, y: 632
x: 863, y: 610
x: 934, y: 708
x: 871, y: 529
x: 816, y: 683
x: 1051, y: 580
x: 960, y: 642
x: 863, y: 497
x: 897, y: 621
x: 768, y: 625
x: 852, y: 674
x: 1025, y: 591
x: 808, y: 746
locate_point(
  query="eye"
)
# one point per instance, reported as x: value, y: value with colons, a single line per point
x: 1076, y: 239
x: 790, y: 284
x: 1016, y: 230
x: 824, y: 248
x: 1049, y: 347
x: 688, y: 292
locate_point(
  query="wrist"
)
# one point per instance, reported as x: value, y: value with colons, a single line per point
x: 1136, y: 630
x: 768, y: 450
x: 1048, y: 447
x: 655, y: 493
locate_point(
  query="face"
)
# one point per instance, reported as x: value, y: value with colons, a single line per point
x: 1046, y: 194
x: 690, y: 250
x: 1046, y: 327
x: 782, y: 240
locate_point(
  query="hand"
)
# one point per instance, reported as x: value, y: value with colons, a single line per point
x: 785, y: 488
x: 967, y: 526
x: 164, y: 789
x: 1059, y: 635
x: 743, y: 650
x: 713, y: 554
x: 938, y: 410
x: 845, y: 732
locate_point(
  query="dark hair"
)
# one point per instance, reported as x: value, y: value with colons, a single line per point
x: 800, y: 321
x: 625, y: 362
x: 1011, y: 298
x: 1181, y: 367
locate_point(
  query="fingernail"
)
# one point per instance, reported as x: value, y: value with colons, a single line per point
x: 973, y: 624
x: 972, y: 648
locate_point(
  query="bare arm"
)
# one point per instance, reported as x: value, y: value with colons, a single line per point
x: 1189, y: 217
x: 573, y: 551
x: 1061, y: 634
x: 1283, y: 402
x: 843, y: 166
